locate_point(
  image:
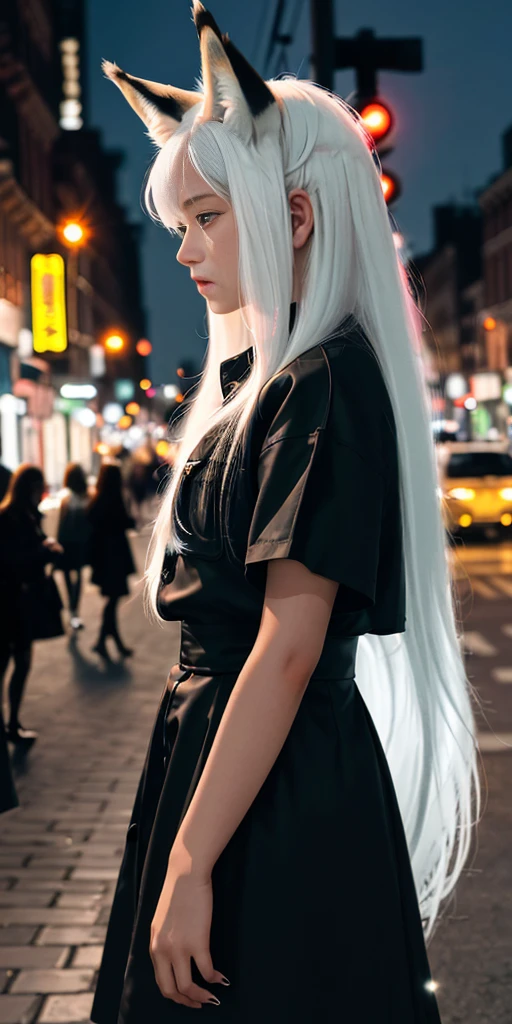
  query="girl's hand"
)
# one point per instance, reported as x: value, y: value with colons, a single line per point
x: 180, y: 930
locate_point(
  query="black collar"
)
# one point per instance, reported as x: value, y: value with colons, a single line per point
x: 234, y: 369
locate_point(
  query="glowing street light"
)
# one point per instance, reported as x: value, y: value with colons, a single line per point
x: 114, y: 343
x: 73, y: 232
x: 489, y: 323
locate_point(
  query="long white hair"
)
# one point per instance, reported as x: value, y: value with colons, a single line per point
x: 414, y: 683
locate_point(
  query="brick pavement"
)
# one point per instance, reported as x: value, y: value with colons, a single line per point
x: 60, y: 851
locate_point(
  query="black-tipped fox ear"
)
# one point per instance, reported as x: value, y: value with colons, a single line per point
x: 161, y: 107
x: 233, y: 91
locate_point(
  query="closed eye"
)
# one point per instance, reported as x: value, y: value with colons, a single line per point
x: 203, y: 219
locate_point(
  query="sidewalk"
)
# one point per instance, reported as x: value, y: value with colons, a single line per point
x: 61, y: 849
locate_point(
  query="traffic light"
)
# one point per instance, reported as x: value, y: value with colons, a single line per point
x: 379, y: 121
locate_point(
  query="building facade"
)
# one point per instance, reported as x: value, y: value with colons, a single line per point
x: 53, y: 169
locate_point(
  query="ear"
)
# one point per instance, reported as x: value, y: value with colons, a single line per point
x: 161, y: 107
x: 233, y: 91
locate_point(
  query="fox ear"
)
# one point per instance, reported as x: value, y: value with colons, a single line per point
x: 233, y: 91
x: 161, y: 107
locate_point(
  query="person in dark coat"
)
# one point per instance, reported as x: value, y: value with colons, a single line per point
x: 24, y: 552
x: 110, y: 553
x: 74, y: 533
x: 5, y: 476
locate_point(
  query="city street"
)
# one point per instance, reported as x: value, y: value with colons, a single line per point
x: 60, y: 851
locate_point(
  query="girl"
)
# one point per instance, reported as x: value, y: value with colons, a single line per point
x: 310, y: 783
x: 25, y: 550
x: 74, y: 535
x: 110, y: 553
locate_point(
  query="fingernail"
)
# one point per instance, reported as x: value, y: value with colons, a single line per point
x: 224, y: 981
x: 212, y: 999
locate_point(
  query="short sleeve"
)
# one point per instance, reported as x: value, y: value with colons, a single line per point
x: 319, y: 499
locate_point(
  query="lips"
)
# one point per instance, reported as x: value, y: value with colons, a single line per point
x: 202, y: 280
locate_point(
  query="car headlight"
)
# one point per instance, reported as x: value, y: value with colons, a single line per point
x: 462, y: 493
x: 506, y: 494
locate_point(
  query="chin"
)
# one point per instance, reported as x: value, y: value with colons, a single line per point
x: 220, y: 307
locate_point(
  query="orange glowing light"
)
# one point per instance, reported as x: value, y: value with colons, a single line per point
x: 73, y: 232
x: 125, y: 422
x: 489, y: 323
x: 144, y: 347
x: 114, y: 343
x: 377, y: 120
x: 178, y: 397
x: 180, y: 371
x: 133, y: 408
x: 144, y: 384
x: 162, y: 449
x: 102, y: 448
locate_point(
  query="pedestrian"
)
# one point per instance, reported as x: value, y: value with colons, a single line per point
x: 25, y: 591
x: 5, y: 476
x: 299, y: 816
x: 73, y: 533
x: 137, y: 486
x: 110, y: 554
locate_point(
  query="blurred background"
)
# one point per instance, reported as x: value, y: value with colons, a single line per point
x: 102, y: 336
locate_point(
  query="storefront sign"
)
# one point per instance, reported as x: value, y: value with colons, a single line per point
x: 48, y: 303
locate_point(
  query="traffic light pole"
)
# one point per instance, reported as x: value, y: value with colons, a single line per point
x: 367, y: 55
x: 323, y: 42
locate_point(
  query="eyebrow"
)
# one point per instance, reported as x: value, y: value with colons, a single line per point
x: 195, y: 199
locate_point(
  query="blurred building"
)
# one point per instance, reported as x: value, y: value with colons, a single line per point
x: 452, y: 276
x: 496, y: 204
x: 53, y: 169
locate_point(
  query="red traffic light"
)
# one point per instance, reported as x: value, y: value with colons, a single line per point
x: 378, y: 120
x: 391, y: 187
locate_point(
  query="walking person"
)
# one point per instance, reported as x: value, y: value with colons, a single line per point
x: 73, y: 533
x: 25, y: 592
x: 110, y: 553
x: 308, y: 793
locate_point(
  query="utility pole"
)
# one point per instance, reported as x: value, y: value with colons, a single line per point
x: 323, y: 42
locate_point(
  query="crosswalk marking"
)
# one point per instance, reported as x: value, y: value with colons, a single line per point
x: 490, y: 742
x: 503, y: 584
x: 479, y: 645
x: 479, y: 587
x: 502, y: 674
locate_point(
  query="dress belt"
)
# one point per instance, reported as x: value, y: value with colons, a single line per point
x: 222, y: 648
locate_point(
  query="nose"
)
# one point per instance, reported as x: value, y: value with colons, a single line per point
x: 190, y: 251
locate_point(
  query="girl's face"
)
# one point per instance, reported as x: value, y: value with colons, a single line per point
x: 209, y: 246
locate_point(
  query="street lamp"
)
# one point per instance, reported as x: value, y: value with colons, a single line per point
x: 114, y: 343
x: 74, y: 236
x: 73, y: 233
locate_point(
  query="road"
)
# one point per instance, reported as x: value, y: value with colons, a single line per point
x: 60, y: 851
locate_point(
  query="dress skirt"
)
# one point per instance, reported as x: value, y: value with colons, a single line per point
x: 315, y: 915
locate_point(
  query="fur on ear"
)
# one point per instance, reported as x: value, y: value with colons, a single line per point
x: 160, y: 107
x: 233, y: 91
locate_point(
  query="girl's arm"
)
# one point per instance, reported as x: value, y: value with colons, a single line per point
x: 259, y: 713
x: 62, y: 510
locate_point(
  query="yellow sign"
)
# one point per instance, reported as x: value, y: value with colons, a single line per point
x: 48, y: 303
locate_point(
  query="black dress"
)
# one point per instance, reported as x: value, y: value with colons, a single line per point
x: 315, y: 916
x: 109, y: 548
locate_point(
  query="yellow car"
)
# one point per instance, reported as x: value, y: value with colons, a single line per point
x: 476, y: 487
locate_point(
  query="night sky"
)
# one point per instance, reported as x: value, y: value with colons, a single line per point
x: 450, y: 118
